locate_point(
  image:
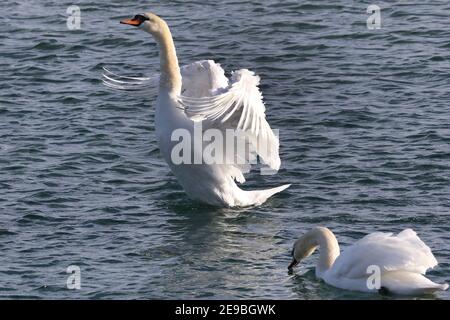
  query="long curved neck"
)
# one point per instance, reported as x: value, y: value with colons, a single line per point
x: 170, y: 78
x: 329, y: 249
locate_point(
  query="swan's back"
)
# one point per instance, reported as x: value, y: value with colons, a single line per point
x: 402, y: 252
x: 402, y: 260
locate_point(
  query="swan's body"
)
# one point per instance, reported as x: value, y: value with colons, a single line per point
x: 402, y: 261
x: 200, y: 92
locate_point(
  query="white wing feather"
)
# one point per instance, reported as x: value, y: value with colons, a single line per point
x: 240, y: 107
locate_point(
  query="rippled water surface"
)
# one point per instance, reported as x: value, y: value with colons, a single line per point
x: 364, y: 123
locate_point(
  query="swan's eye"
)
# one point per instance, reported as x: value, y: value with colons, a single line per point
x: 140, y: 18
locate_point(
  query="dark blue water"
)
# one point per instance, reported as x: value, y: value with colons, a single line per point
x: 365, y: 141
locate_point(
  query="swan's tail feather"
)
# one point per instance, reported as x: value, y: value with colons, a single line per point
x: 410, y: 283
x: 257, y: 197
x: 437, y: 287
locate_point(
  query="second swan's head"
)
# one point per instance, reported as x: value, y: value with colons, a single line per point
x: 149, y: 22
x: 306, y: 245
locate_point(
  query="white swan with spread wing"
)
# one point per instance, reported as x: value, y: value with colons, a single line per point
x: 201, y: 92
x: 400, y: 261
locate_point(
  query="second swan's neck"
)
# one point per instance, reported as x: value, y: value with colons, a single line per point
x: 170, y: 78
x: 328, y: 247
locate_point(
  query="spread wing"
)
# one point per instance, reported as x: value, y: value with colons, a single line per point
x: 238, y: 106
x: 207, y: 95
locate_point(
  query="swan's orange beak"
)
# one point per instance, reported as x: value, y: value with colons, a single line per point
x: 131, y: 22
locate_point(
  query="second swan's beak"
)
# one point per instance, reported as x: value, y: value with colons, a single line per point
x: 293, y: 264
x: 131, y: 22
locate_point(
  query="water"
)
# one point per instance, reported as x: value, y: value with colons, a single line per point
x: 364, y: 122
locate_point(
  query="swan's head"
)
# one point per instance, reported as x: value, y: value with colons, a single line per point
x: 303, y: 248
x: 149, y: 22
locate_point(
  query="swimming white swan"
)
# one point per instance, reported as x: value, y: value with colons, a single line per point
x: 202, y: 93
x: 401, y: 260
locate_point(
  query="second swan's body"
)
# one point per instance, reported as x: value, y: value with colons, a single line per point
x: 380, y: 261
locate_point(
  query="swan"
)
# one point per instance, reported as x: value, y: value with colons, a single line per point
x: 200, y: 93
x: 401, y: 262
